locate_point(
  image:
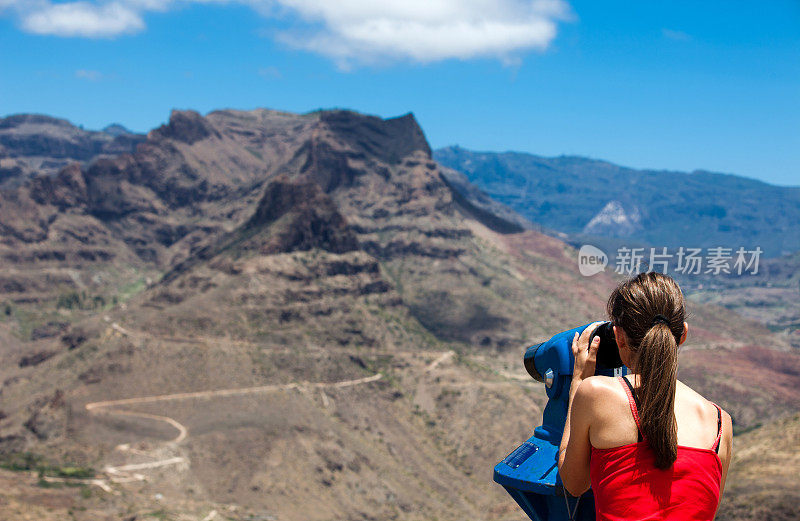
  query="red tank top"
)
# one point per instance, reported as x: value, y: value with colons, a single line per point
x: 628, y: 486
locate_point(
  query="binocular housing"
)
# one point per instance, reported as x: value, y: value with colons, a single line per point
x: 530, y: 472
x: 607, y: 352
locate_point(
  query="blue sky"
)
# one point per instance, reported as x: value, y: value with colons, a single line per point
x: 670, y: 85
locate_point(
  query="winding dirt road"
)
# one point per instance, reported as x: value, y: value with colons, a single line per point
x: 129, y: 473
x: 445, y: 356
x: 126, y: 473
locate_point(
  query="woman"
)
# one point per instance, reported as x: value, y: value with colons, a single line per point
x: 651, y: 447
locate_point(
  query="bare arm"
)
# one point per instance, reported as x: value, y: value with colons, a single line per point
x: 575, y: 450
x: 726, y: 450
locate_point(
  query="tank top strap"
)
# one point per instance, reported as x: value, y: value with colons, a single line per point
x: 632, y: 402
x: 715, y: 447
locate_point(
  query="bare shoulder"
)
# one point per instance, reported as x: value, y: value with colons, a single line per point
x: 598, y: 390
x: 610, y: 421
x: 695, y: 400
x: 705, y: 409
x: 688, y: 391
x: 598, y: 384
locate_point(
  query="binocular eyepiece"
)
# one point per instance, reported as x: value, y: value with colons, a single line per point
x: 607, y: 353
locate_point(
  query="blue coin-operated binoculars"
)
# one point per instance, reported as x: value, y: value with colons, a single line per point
x: 530, y: 472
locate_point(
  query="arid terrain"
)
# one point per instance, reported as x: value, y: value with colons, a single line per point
x: 271, y: 316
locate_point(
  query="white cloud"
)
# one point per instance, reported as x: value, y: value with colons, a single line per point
x: 83, y: 19
x: 348, y: 31
x: 426, y: 30
x: 88, y: 74
x: 270, y: 73
x: 7, y: 4
x: 676, y: 35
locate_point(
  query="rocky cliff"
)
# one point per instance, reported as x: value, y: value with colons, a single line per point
x: 33, y: 144
x: 295, y: 316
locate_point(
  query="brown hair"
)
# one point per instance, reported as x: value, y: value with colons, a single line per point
x: 649, y: 309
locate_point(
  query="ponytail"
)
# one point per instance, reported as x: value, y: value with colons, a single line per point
x: 657, y: 365
x: 649, y: 308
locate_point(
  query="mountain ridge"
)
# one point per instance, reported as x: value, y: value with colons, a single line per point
x: 612, y: 164
x: 32, y: 144
x: 565, y: 193
x: 183, y: 268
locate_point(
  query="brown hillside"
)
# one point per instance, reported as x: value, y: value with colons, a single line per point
x: 294, y: 317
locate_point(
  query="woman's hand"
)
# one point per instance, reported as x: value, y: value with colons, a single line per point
x: 585, y: 355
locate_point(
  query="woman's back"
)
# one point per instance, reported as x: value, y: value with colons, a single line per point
x: 675, y: 472
x: 626, y: 482
x: 613, y: 424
